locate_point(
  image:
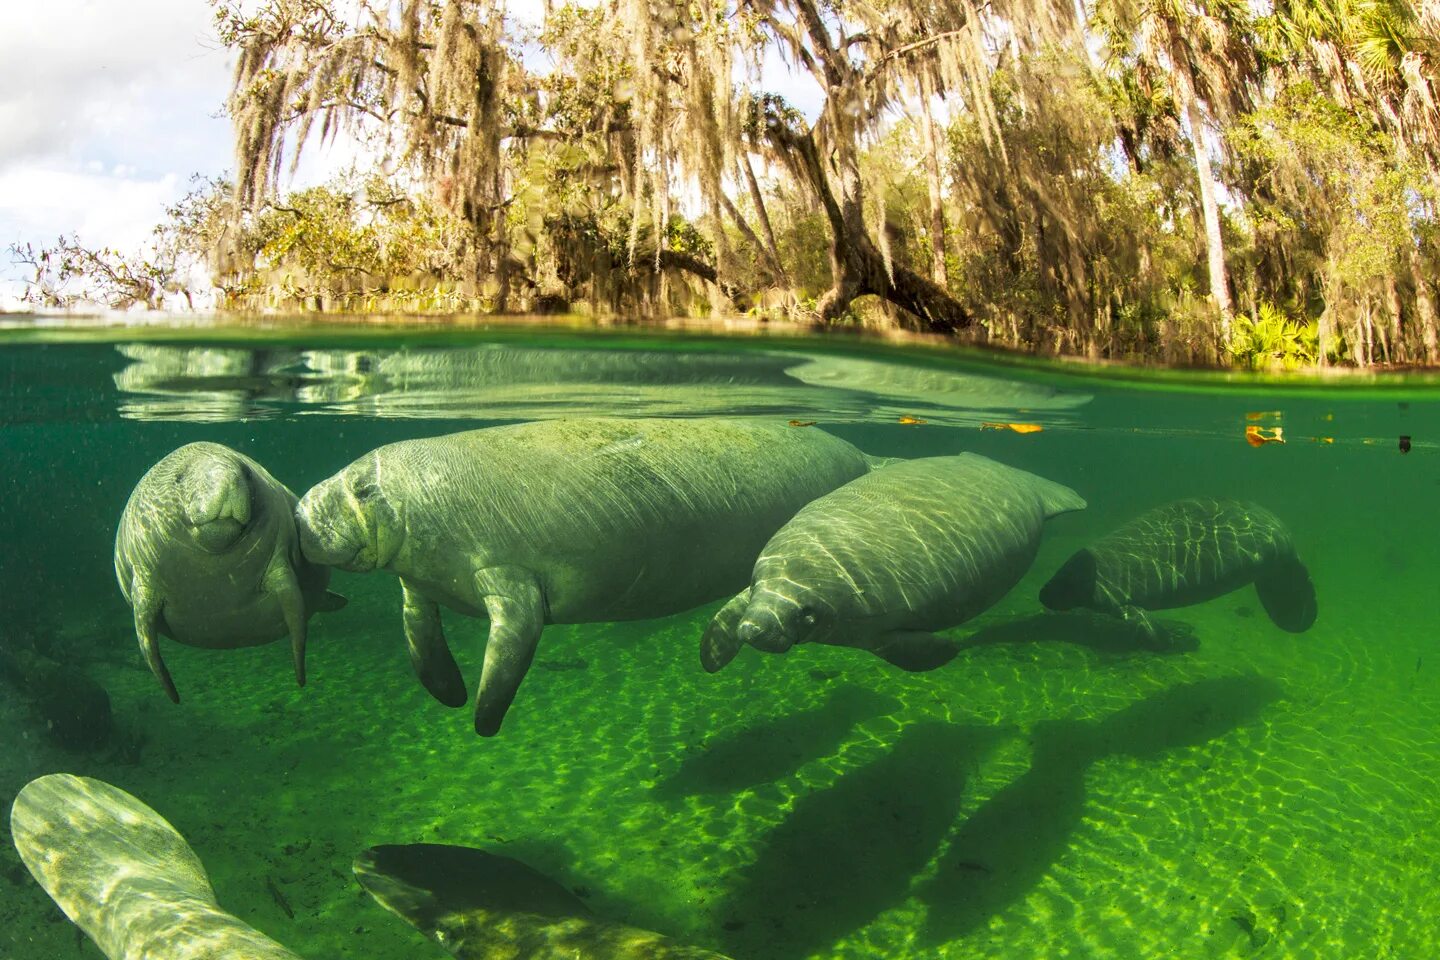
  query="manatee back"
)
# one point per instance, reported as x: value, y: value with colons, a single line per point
x: 125, y: 876
x: 620, y: 518
x: 940, y: 537
x: 1190, y: 551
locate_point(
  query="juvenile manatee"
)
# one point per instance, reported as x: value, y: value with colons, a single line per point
x: 1188, y: 552
x: 125, y: 876
x: 563, y: 521
x: 479, y: 905
x: 207, y: 554
x: 881, y: 562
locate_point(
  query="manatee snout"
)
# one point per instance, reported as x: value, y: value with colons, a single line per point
x: 333, y: 527
x: 216, y: 500
x: 765, y: 633
x: 773, y: 623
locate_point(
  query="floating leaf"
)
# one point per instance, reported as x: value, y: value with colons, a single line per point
x: 803, y: 423
x: 907, y: 419
x: 1017, y: 427
x: 1258, y: 436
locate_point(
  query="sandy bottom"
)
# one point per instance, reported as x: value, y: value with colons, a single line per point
x: 1052, y: 792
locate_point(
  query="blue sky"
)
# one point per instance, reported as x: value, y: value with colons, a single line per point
x: 106, y: 111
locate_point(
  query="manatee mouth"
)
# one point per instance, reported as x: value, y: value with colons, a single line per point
x: 764, y: 633
x: 217, y: 534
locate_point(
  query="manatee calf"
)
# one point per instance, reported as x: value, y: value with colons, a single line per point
x: 207, y: 554
x: 881, y: 562
x: 563, y: 521
x: 479, y: 905
x: 125, y: 876
x: 1187, y: 552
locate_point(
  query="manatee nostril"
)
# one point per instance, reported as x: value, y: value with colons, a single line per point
x: 749, y: 631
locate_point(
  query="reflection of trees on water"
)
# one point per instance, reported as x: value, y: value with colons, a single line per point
x: 497, y: 382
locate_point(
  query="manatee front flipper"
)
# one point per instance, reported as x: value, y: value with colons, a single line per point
x: 429, y: 653
x: 125, y: 876
x: 720, y: 643
x: 914, y: 650
x: 331, y: 602
x: 147, y: 631
x: 517, y: 615
x: 1150, y: 634
x: 281, y: 583
x: 1288, y: 595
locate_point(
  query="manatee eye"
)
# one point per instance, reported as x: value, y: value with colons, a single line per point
x: 807, y: 616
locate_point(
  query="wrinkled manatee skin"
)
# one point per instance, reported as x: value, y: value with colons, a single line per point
x: 878, y: 564
x: 207, y: 553
x: 1184, y: 553
x: 125, y: 876
x: 565, y: 521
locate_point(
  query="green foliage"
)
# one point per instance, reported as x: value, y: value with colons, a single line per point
x: 1272, y: 341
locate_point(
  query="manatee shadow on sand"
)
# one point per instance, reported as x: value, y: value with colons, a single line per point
x: 1084, y: 628
x: 773, y: 748
x: 999, y: 854
x: 848, y: 853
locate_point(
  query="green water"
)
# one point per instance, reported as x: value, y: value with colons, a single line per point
x: 1053, y: 791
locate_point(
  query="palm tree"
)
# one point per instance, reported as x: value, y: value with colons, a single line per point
x: 1205, y: 52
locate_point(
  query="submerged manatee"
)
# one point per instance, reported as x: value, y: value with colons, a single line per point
x: 918, y: 546
x: 125, y: 876
x: 479, y: 905
x: 207, y: 554
x: 564, y: 521
x: 1187, y: 552
x: 132, y: 884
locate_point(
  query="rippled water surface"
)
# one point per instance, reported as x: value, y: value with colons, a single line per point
x: 1057, y: 789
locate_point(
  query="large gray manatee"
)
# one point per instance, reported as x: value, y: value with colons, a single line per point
x: 207, y: 554
x: 886, y: 559
x: 563, y: 521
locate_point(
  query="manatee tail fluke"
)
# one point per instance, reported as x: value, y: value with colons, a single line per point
x: 721, y: 641
x: 125, y: 876
x: 1073, y: 584
x: 1288, y: 596
x: 1058, y: 498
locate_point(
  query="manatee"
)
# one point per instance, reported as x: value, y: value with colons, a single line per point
x: 131, y: 883
x: 1188, y: 552
x: 563, y: 521
x: 125, y: 876
x: 888, y: 558
x: 479, y: 905
x: 207, y: 554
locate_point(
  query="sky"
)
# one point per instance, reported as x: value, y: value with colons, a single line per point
x: 107, y: 109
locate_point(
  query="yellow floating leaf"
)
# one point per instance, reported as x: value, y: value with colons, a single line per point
x: 909, y: 419
x: 1258, y: 436
x: 803, y: 423
x: 1264, y: 414
x: 1017, y: 427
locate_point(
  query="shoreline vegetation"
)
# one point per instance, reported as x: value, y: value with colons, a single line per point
x: 1202, y: 183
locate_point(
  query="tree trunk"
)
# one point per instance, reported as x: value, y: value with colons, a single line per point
x: 1214, y: 244
x: 856, y: 266
x: 932, y: 182
x: 1425, y: 307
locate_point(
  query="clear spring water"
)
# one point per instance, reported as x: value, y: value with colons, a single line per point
x: 1054, y: 791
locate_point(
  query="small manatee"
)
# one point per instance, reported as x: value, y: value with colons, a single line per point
x: 207, y: 554
x: 1184, y: 553
x: 888, y: 558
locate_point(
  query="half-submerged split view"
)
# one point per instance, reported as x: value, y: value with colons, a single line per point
x: 554, y: 645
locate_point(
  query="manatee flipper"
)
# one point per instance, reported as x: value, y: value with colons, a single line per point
x: 913, y: 650
x: 281, y: 583
x: 331, y: 602
x: 720, y: 643
x: 147, y: 631
x: 1143, y: 625
x: 1056, y: 498
x: 517, y: 615
x: 125, y: 876
x: 429, y: 653
x: 1288, y: 595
